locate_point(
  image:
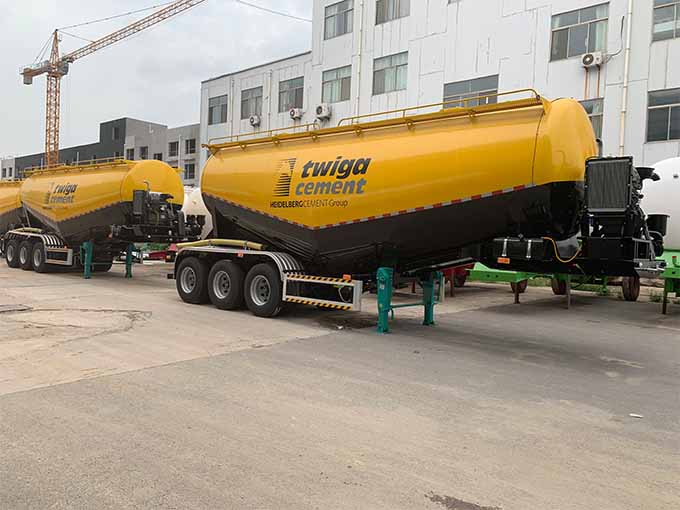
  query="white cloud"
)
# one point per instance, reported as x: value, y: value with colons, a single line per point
x: 155, y: 75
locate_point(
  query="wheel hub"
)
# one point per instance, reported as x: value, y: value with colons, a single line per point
x: 260, y: 290
x: 221, y: 284
x: 188, y: 280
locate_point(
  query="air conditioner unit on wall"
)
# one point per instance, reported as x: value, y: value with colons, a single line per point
x: 324, y: 111
x: 592, y: 59
x: 296, y: 113
x: 255, y: 120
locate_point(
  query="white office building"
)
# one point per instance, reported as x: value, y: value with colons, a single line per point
x: 620, y: 58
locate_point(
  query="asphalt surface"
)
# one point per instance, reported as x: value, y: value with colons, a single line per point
x: 498, y: 407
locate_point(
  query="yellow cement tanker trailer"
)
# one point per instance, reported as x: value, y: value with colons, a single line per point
x: 10, y: 206
x: 409, y: 193
x: 86, y: 215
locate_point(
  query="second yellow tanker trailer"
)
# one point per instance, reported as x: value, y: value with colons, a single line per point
x: 86, y: 215
x: 408, y: 195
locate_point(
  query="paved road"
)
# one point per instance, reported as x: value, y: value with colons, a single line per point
x: 512, y: 407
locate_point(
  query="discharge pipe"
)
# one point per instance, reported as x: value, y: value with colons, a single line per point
x: 626, y: 78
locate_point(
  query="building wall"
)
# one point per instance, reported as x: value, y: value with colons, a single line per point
x: 454, y: 40
x: 185, y: 158
x: 7, y: 169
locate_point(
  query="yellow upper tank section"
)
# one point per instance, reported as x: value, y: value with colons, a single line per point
x: 66, y: 192
x: 10, y: 200
x: 360, y: 171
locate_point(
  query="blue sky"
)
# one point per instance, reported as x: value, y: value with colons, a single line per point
x: 155, y: 75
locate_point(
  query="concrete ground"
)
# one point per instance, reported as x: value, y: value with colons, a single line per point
x: 114, y: 394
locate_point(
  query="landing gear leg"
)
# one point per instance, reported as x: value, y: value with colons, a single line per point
x: 128, y: 260
x: 428, y: 284
x: 385, y: 281
x: 88, y: 249
x: 568, y: 292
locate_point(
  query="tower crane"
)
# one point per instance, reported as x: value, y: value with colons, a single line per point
x: 58, y: 66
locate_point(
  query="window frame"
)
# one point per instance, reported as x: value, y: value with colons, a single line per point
x: 130, y: 152
x: 143, y: 153
x: 568, y: 29
x: 594, y: 114
x: 670, y: 107
x: 461, y: 100
x: 348, y: 14
x: 286, y: 105
x: 397, y: 10
x: 248, y: 102
x: 397, y: 68
x: 658, y: 5
x: 190, y: 146
x: 186, y: 170
x: 219, y: 104
x: 175, y: 153
x: 327, y: 83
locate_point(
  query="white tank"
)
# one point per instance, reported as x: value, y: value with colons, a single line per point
x: 194, y: 205
x: 663, y: 197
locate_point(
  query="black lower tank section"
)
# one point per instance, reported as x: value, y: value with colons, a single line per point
x: 10, y: 220
x: 408, y: 241
x: 114, y: 224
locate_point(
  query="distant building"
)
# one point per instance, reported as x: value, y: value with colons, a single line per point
x: 375, y: 55
x: 130, y: 139
x: 7, y: 169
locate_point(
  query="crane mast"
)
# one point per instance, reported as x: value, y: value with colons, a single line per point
x: 58, y: 66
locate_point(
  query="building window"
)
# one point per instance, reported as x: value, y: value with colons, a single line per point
x: 173, y: 149
x: 666, y: 19
x: 577, y: 32
x: 663, y: 115
x: 338, y: 19
x: 390, y: 73
x: 190, y: 146
x: 130, y: 154
x: 336, y: 85
x: 291, y: 94
x: 462, y: 93
x: 158, y: 156
x: 143, y: 153
x: 4, y: 173
x: 116, y: 132
x: 189, y: 171
x: 217, y: 110
x: 251, y: 102
x: 388, y: 10
x: 595, y: 110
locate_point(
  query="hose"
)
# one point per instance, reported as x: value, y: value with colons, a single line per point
x: 557, y: 253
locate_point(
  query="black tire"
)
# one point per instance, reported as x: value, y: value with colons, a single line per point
x: 263, y: 291
x: 559, y: 287
x: 25, y: 253
x: 631, y: 288
x: 12, y: 253
x: 521, y: 286
x: 192, y: 281
x: 38, y: 258
x: 225, y: 285
x: 459, y: 280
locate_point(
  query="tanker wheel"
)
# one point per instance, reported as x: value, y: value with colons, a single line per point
x: 559, y: 287
x: 192, y: 281
x: 519, y: 286
x: 631, y: 288
x: 459, y: 280
x: 38, y: 258
x: 12, y: 253
x: 25, y: 253
x: 263, y: 291
x: 225, y: 285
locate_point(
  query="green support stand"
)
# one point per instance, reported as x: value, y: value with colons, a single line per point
x: 385, y: 283
x: 429, y: 297
x: 128, y: 260
x: 87, y: 254
x: 385, y: 280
